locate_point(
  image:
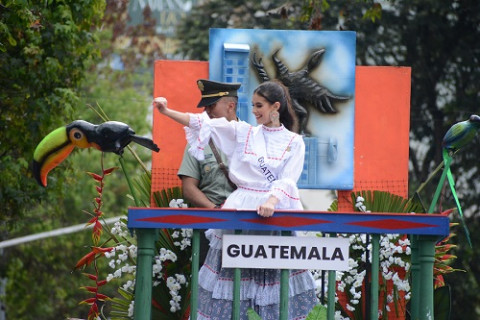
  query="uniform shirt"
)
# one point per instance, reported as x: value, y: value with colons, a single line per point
x: 212, y: 180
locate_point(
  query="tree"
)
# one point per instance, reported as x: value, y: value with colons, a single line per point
x: 44, y: 51
x: 56, y: 63
x: 192, y: 32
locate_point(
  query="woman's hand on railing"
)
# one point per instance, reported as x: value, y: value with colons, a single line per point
x: 267, y: 209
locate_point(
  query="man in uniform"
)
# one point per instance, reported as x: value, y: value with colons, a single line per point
x: 205, y: 183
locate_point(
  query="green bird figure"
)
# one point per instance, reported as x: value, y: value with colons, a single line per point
x: 461, y: 134
x: 457, y: 137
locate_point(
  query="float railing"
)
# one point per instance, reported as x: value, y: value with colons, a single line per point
x: 423, y: 229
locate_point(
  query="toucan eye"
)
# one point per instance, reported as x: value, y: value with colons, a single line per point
x: 76, y: 134
x: 78, y: 138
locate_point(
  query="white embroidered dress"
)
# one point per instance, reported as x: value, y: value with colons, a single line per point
x: 262, y: 161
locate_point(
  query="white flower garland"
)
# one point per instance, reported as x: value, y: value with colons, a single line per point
x: 121, y: 253
x: 392, y: 251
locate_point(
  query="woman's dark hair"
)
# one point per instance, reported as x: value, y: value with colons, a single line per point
x: 274, y: 91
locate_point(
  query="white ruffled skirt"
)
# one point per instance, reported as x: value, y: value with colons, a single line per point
x: 259, y: 288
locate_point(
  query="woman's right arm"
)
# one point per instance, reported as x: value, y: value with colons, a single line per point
x: 161, y: 104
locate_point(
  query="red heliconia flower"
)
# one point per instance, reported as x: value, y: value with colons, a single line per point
x: 93, y: 313
x: 95, y: 176
x: 102, y: 250
x: 85, y: 260
x: 101, y: 283
x: 90, y: 301
x: 90, y: 257
x: 90, y: 276
x: 92, y: 221
x: 439, y: 282
x: 90, y: 289
x: 97, y: 231
x: 109, y: 170
x: 102, y: 297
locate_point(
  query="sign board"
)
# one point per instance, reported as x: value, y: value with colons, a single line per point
x: 281, y: 252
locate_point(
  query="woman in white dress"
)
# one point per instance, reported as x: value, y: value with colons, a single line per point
x: 265, y: 161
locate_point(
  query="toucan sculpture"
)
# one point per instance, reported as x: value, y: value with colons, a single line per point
x: 110, y: 136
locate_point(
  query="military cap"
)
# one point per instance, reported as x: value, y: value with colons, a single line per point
x: 212, y: 91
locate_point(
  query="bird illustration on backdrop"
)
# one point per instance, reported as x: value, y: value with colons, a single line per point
x: 110, y: 136
x: 458, y: 136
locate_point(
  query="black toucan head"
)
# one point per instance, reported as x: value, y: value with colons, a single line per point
x: 110, y: 136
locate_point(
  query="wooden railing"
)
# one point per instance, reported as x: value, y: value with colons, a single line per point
x: 424, y: 231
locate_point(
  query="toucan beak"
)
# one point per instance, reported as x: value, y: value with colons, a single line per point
x: 50, y: 152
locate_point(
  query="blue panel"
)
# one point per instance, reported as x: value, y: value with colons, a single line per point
x: 337, y: 222
x: 329, y: 137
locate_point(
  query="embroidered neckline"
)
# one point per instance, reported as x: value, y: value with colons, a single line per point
x: 270, y: 129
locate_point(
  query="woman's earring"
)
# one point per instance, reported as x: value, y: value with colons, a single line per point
x: 275, y: 118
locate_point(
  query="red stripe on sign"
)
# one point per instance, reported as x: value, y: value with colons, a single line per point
x: 287, y: 221
x: 181, y: 219
x: 392, y: 224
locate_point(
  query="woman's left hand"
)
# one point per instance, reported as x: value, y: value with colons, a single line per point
x: 267, y: 209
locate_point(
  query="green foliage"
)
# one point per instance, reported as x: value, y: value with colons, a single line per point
x: 382, y: 201
x: 465, y: 286
x: 50, y: 77
x: 43, y: 49
x: 252, y: 315
x: 193, y: 31
x: 318, y: 312
x: 121, y: 305
x: 40, y: 282
x: 442, y: 303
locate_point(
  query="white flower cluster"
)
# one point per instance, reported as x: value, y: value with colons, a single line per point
x: 184, y: 236
x: 174, y: 284
x: 158, y: 260
x: 120, y: 228
x: 338, y: 316
x: 177, y: 203
x: 118, y: 257
x: 392, y: 248
x: 318, y: 276
x: 131, y: 308
x: 359, y: 204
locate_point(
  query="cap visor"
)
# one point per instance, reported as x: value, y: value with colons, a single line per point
x: 207, y: 101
